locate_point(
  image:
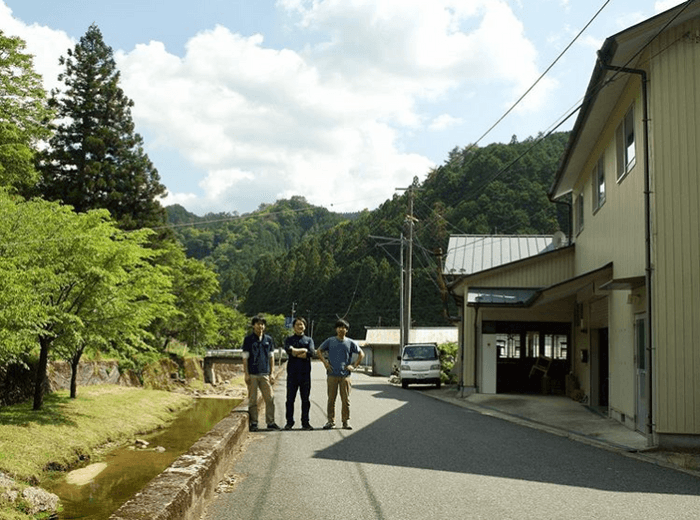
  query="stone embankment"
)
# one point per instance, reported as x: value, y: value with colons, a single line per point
x: 36, y: 500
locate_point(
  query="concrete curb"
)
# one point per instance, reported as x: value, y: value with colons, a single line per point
x: 183, y: 490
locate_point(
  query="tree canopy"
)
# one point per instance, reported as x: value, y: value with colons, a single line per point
x: 24, y: 114
x: 69, y: 280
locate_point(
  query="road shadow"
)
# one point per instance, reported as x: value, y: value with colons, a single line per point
x: 426, y: 433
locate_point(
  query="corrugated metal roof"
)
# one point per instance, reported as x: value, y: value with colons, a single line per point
x: 392, y: 336
x: 470, y: 254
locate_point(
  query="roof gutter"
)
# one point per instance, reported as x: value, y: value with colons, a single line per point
x: 647, y: 232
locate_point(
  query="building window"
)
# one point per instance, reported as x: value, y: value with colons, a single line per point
x: 578, y: 210
x: 626, y: 150
x: 599, y: 184
x: 508, y: 346
x: 553, y: 346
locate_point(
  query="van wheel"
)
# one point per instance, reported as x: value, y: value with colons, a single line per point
x: 404, y: 384
x: 439, y: 384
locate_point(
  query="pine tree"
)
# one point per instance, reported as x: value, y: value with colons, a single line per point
x: 95, y: 159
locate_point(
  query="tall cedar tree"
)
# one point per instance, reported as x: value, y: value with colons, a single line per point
x: 95, y: 159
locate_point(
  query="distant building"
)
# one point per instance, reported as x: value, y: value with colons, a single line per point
x: 382, y: 344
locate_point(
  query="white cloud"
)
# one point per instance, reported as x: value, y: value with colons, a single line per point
x: 665, y: 5
x: 308, y: 122
x: 444, y: 121
x: 45, y: 44
x: 325, y: 121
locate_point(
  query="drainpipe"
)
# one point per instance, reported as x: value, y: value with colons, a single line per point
x: 647, y: 234
x: 476, y: 348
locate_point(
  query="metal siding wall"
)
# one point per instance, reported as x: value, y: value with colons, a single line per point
x: 598, y: 314
x: 557, y: 268
x: 615, y: 232
x: 675, y: 118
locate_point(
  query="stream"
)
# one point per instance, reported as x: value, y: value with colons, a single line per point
x: 125, y: 471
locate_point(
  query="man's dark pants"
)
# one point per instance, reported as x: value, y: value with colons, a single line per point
x: 301, y: 382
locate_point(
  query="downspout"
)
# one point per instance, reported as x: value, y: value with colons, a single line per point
x: 647, y: 235
x: 476, y: 348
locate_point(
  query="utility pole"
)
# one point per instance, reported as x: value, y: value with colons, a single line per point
x: 403, y: 337
x: 408, y: 271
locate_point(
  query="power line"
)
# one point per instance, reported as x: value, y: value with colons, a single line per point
x: 541, y: 76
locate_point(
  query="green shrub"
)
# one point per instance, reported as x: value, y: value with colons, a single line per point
x: 448, y: 354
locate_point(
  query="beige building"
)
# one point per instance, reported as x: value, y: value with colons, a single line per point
x: 610, y: 315
x: 382, y: 345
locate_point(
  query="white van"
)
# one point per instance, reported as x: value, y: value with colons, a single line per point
x: 420, y: 363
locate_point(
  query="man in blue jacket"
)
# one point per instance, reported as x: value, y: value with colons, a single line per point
x: 300, y: 351
x: 258, y: 362
x: 339, y: 366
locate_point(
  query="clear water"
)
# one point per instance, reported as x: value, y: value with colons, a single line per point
x: 129, y: 470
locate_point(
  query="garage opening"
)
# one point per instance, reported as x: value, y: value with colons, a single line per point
x: 531, y: 357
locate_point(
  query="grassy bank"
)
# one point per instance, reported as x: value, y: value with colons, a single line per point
x: 68, y: 430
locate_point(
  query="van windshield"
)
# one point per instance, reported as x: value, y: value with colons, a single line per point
x: 419, y: 353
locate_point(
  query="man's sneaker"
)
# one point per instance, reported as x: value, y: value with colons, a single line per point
x: 307, y: 427
x: 288, y: 426
x: 328, y: 426
x: 273, y: 426
x: 253, y: 427
x: 346, y: 426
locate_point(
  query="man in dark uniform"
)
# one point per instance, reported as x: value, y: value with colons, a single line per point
x: 258, y: 354
x: 300, y: 351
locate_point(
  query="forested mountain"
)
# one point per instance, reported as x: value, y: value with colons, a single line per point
x: 291, y: 255
x: 232, y: 244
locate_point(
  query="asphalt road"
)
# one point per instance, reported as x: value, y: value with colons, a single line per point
x: 411, y: 456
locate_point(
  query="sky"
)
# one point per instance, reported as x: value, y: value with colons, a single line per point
x: 344, y: 102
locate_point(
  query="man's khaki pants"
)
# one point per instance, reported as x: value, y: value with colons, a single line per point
x: 344, y: 384
x: 262, y: 383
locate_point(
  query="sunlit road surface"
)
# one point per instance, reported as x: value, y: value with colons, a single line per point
x: 411, y: 456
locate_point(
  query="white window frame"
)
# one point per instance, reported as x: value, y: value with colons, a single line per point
x: 626, y: 145
x: 598, y: 181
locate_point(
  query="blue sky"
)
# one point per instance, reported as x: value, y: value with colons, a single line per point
x: 243, y: 102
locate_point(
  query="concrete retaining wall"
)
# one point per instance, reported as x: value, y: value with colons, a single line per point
x: 182, y: 490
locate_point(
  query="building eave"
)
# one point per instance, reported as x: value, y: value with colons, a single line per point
x: 605, y: 88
